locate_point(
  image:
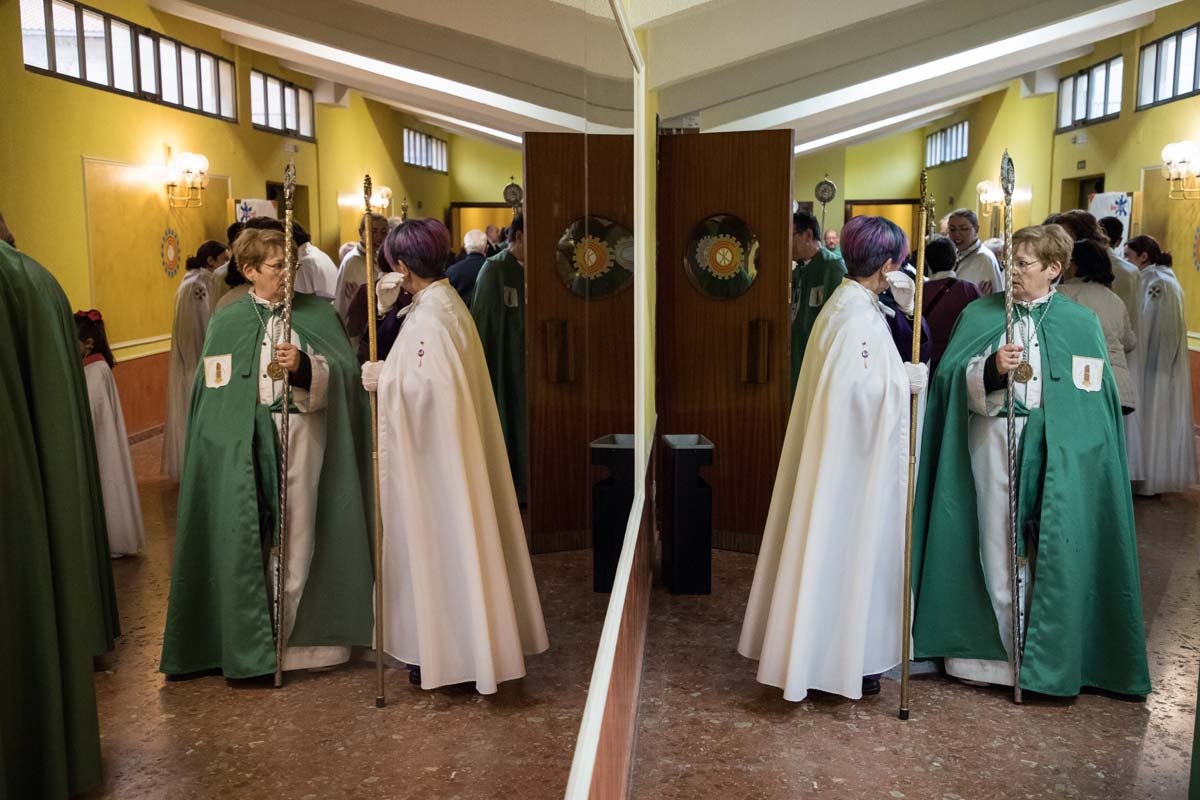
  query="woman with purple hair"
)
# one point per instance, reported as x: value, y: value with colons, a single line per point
x: 462, y: 605
x: 828, y: 586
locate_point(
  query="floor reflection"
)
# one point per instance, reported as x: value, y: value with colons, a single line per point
x: 320, y: 736
x: 707, y: 729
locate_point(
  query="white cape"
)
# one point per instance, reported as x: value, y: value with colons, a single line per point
x: 1127, y: 286
x: 1168, y: 444
x: 461, y: 598
x: 122, y: 508
x: 193, y: 308
x: 825, y: 606
x: 316, y: 273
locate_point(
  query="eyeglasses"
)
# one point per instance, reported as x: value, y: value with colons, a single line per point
x: 276, y: 267
x: 1024, y: 266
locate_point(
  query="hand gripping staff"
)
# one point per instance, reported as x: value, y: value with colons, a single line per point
x: 913, y: 409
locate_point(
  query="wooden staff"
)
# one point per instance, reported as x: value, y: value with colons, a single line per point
x: 1007, y: 180
x: 274, y: 369
x: 373, y: 350
x: 914, y: 417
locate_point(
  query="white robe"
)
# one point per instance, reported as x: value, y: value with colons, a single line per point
x: 306, y: 453
x: 217, y: 284
x: 1168, y: 445
x: 351, y: 276
x: 825, y: 605
x: 316, y: 274
x: 118, y: 487
x: 193, y: 308
x: 460, y: 593
x: 987, y: 437
x: 1127, y: 286
x: 977, y: 265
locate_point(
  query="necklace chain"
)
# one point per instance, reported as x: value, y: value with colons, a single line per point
x: 1035, y: 329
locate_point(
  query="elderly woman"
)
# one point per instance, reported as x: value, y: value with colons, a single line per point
x: 1083, y: 624
x: 462, y: 605
x: 827, y: 587
x: 1168, y: 453
x: 1091, y: 288
x: 222, y: 588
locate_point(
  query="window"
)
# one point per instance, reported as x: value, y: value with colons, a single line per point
x: 280, y: 106
x: 423, y: 150
x: 81, y: 44
x: 1167, y: 68
x: 1091, y: 95
x: 946, y: 145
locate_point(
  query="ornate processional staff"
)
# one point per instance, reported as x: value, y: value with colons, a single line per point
x: 373, y: 349
x: 276, y: 372
x: 914, y: 410
x: 1007, y: 181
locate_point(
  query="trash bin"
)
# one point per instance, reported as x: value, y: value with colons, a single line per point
x: 686, y: 515
x: 612, y: 498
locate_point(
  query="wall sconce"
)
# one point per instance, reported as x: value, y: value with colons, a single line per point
x: 1181, y: 163
x: 381, y: 199
x: 187, y: 178
x: 990, y: 195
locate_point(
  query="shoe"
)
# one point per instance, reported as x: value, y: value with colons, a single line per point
x: 870, y: 686
x: 414, y: 675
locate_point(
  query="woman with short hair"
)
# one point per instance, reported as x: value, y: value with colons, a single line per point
x: 462, y: 605
x: 1090, y: 287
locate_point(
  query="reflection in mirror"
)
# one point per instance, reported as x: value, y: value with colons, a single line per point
x: 595, y: 257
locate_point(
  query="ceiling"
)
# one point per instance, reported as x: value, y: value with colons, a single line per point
x: 832, y: 72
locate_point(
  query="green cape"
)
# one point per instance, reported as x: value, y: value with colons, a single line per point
x: 56, y: 585
x: 502, y: 332
x: 826, y: 271
x: 1085, y: 623
x: 219, y: 614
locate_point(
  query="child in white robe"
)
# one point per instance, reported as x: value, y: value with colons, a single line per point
x: 122, y: 508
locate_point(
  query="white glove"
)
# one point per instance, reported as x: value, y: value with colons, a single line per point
x: 387, y: 292
x: 903, y: 290
x: 918, y: 376
x: 370, y: 375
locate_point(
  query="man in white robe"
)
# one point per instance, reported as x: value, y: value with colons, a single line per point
x: 192, y: 311
x: 353, y: 270
x: 825, y: 606
x: 975, y: 262
x: 1168, y: 455
x: 462, y: 604
x: 316, y: 274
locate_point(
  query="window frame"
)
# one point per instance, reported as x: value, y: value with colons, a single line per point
x: 944, y: 144
x: 136, y: 32
x: 1157, y: 45
x: 284, y: 86
x: 426, y: 151
x: 1086, y: 74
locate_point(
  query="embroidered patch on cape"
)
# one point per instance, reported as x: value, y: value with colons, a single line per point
x: 816, y: 297
x: 217, y: 370
x: 510, y: 297
x: 1088, y: 373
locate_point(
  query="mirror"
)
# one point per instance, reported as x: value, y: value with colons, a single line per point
x: 595, y: 257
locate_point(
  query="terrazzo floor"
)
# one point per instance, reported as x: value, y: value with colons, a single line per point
x: 707, y: 729
x: 320, y: 736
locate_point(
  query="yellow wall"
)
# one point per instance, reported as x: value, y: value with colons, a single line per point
x: 51, y: 125
x: 480, y: 170
x: 809, y: 169
x: 873, y: 172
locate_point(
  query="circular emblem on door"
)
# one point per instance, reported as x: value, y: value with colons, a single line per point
x: 722, y: 257
x: 170, y: 252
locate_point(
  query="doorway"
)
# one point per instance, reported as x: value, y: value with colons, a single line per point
x: 902, y: 212
x: 299, y: 209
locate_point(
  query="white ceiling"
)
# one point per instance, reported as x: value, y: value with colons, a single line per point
x: 833, y: 72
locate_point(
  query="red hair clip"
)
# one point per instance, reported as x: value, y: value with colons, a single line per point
x: 91, y: 314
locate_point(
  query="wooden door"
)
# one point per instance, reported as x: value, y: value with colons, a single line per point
x: 579, y: 351
x: 723, y: 365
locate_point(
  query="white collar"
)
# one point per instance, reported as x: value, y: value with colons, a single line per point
x: 1040, y: 301
x: 261, y: 302
x: 970, y: 251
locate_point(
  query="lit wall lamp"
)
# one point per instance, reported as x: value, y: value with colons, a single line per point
x: 990, y: 195
x: 187, y: 178
x: 1181, y: 164
x: 381, y: 200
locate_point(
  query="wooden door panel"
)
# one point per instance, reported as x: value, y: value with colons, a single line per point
x: 723, y: 365
x: 579, y: 353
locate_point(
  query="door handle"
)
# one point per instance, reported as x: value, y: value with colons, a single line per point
x: 560, y: 357
x: 756, y: 351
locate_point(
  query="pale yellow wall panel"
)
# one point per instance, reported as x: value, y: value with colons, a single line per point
x: 480, y: 170
x: 1176, y: 226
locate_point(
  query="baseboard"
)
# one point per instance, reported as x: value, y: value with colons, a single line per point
x: 149, y: 433
x: 737, y: 542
